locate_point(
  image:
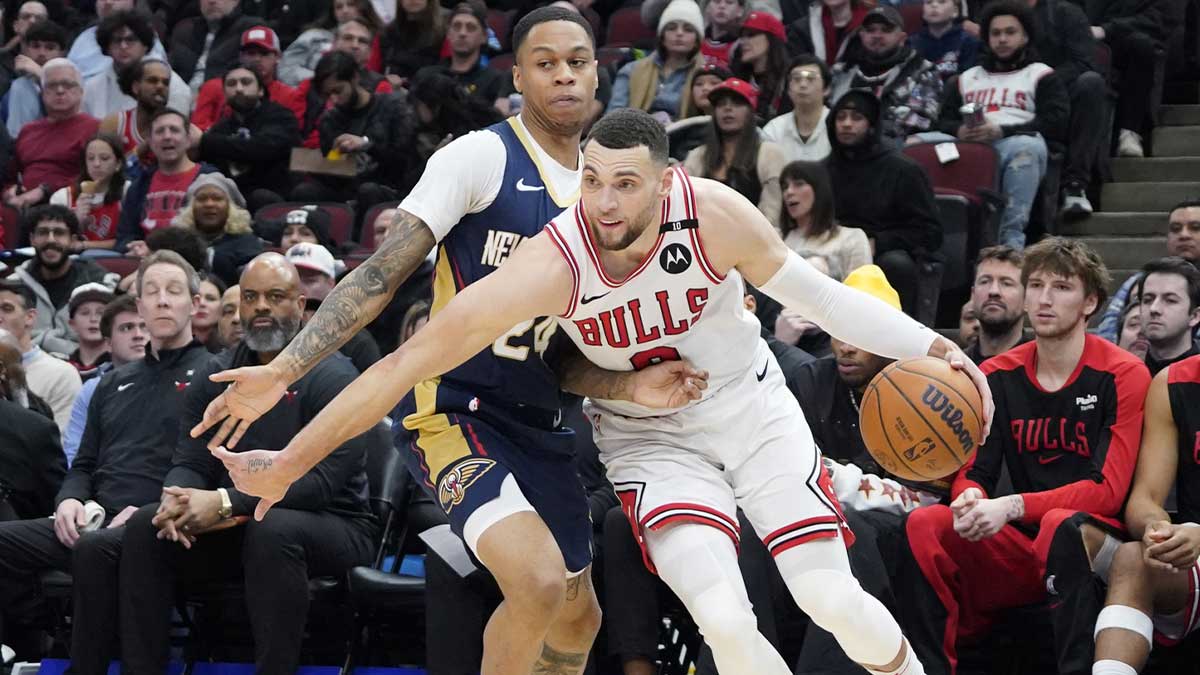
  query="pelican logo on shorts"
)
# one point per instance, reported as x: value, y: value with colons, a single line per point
x: 452, y: 489
x: 939, y: 403
x: 675, y: 259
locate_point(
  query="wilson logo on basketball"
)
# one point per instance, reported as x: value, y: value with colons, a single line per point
x: 939, y: 403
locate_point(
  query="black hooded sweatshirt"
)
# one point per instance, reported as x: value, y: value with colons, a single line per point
x: 883, y: 192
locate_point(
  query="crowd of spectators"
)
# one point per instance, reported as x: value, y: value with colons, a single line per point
x: 164, y: 135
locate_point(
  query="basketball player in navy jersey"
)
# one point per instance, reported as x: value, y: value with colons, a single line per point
x: 485, y: 438
x: 1154, y: 583
x: 647, y: 268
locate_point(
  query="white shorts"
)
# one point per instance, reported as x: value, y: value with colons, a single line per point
x: 1170, y: 629
x: 746, y: 446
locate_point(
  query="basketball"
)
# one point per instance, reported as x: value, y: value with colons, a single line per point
x: 921, y: 419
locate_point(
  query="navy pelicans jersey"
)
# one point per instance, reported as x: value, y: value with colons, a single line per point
x: 652, y: 315
x: 510, y: 376
x: 1183, y: 390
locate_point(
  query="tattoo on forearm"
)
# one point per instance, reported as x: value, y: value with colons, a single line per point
x: 554, y: 662
x: 258, y: 465
x: 583, y: 378
x: 361, y: 296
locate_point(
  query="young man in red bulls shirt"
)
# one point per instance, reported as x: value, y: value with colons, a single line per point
x: 1067, y: 427
x: 1154, y: 584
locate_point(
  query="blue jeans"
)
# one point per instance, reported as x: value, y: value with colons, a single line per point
x: 1022, y: 167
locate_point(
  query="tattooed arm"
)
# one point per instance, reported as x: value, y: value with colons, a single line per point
x: 669, y: 384
x: 353, y: 304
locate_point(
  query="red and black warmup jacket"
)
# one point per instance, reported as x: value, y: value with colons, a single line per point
x: 1074, y: 448
x: 1183, y: 390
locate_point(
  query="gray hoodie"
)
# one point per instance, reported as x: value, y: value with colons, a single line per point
x: 51, y: 331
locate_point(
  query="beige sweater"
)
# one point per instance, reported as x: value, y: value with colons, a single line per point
x: 846, y: 247
x: 770, y: 164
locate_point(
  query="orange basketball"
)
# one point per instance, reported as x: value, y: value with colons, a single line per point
x: 921, y: 419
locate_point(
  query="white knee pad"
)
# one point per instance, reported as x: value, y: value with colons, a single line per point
x: 1122, y: 616
x: 835, y: 601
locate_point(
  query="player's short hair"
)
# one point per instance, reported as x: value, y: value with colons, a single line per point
x: 1172, y: 265
x: 165, y: 257
x: 1068, y: 258
x: 543, y: 15
x: 121, y: 303
x: 1001, y: 253
x: 629, y: 128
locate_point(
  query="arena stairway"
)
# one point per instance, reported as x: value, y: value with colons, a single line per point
x: 1129, y: 227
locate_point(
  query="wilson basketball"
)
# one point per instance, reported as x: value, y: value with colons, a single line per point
x: 921, y: 419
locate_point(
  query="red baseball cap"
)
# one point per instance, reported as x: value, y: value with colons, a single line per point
x: 765, y: 22
x: 742, y: 88
x: 261, y: 36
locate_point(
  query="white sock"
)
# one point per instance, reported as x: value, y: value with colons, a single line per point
x: 1111, y: 667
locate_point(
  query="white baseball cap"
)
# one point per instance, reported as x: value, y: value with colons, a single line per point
x: 313, y: 257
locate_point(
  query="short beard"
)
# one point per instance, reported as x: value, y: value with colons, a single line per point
x: 273, y: 338
x: 63, y: 258
x: 1000, y: 327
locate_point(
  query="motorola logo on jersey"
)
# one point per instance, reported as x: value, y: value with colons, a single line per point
x: 1041, y: 434
x: 627, y: 324
x: 939, y: 403
x: 675, y: 259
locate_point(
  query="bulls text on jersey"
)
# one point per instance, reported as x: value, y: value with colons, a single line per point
x: 640, y: 323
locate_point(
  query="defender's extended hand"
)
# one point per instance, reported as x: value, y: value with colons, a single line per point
x: 670, y: 384
x: 252, y: 392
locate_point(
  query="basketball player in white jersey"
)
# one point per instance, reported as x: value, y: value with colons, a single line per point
x: 648, y: 268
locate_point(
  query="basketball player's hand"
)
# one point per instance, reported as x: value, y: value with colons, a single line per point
x: 251, y: 393
x: 670, y: 384
x: 962, y: 508
x: 260, y: 473
x: 988, y: 516
x: 1177, y: 550
x: 959, y: 361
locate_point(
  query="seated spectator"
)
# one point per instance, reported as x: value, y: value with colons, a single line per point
x: 27, y: 14
x: 52, y: 379
x: 806, y: 220
x: 229, y: 326
x: 998, y: 301
x: 323, y: 526
x: 444, y: 112
x: 801, y: 133
x: 761, y: 57
x: 734, y: 154
x: 260, y: 53
x: 185, y: 241
x: 466, y: 34
x: 1151, y: 585
x: 660, y: 83
x: 156, y: 196
x: 1183, y: 241
x: 690, y: 133
x: 968, y: 326
x: 147, y: 82
x: 882, y: 192
x: 300, y: 58
x: 822, y: 27
x: 1135, y: 32
x: 43, y: 41
x: 353, y: 37
x: 942, y: 40
x: 122, y: 459
x: 31, y: 457
x: 377, y: 130
x: 96, y: 196
x: 208, y: 312
x: 1070, y: 471
x: 1023, y: 106
x: 723, y: 19
x: 1169, y: 298
x: 410, y: 42
x: 205, y: 46
x: 127, y: 38
x: 314, y: 263
x: 85, y: 309
x: 217, y: 211
x: 124, y: 331
x: 1132, y: 339
x: 309, y: 223
x: 908, y: 86
x: 52, y: 274
x: 253, y: 142
x: 383, y: 225
x: 47, y: 150
x: 86, y: 52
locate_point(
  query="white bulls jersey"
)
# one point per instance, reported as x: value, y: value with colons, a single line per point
x: 1007, y: 98
x: 674, y: 305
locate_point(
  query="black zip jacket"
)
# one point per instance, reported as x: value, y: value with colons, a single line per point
x: 187, y: 42
x: 253, y: 149
x: 133, y: 423
x: 32, y: 463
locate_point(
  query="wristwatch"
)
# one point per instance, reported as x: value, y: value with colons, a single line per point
x: 226, y: 510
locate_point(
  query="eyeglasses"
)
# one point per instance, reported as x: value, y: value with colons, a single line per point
x: 805, y: 76
x: 124, y: 40
x: 47, y: 232
x: 62, y: 86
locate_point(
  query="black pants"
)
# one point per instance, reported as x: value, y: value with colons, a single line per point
x: 1133, y: 57
x: 274, y: 558
x: 902, y: 273
x: 29, y: 547
x: 1087, y: 136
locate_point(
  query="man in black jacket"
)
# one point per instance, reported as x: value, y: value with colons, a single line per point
x: 254, y: 143
x: 133, y: 423
x: 197, y: 532
x: 205, y: 46
x: 32, y: 463
x: 882, y: 192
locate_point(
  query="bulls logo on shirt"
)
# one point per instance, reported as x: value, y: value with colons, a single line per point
x: 1047, y: 434
x: 675, y: 259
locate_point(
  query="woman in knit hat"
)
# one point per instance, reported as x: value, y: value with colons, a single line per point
x: 217, y: 211
x: 660, y: 83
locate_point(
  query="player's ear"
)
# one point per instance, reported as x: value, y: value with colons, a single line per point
x: 668, y: 180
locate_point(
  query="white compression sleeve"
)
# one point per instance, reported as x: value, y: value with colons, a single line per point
x: 847, y: 314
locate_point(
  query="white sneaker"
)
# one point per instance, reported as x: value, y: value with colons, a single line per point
x: 1129, y: 144
x: 6, y: 654
x: 1075, y: 202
